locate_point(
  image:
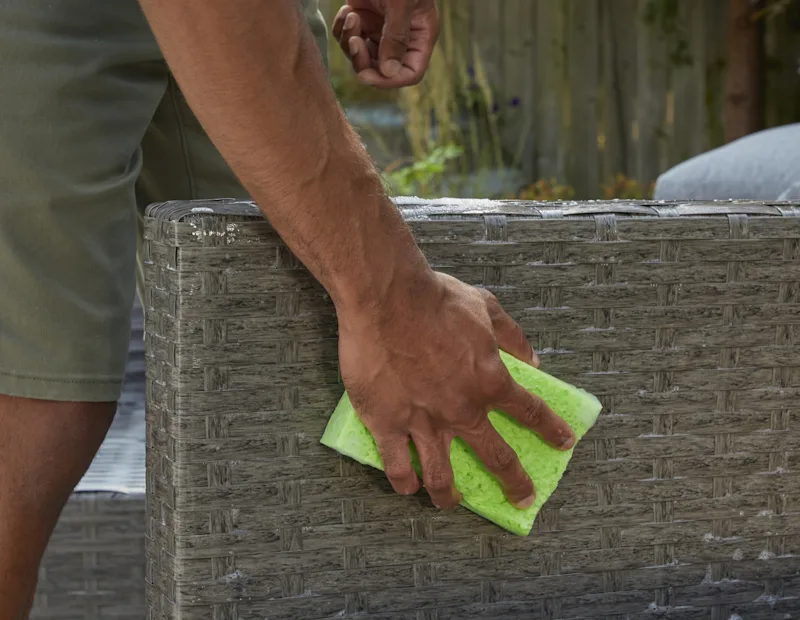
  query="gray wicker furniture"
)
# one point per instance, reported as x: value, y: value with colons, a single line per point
x: 682, y: 503
x: 93, y: 568
x: 94, y: 565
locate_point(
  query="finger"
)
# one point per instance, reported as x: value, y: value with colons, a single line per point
x: 396, y: 37
x: 501, y: 460
x: 372, y: 48
x: 359, y: 54
x: 338, y: 22
x: 397, y: 464
x: 411, y: 73
x: 533, y: 412
x: 350, y: 29
x: 437, y: 473
x: 406, y: 77
x: 509, y: 335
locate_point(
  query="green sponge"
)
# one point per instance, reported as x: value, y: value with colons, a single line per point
x: 481, y: 492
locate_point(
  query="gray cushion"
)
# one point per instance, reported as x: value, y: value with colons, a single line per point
x: 761, y: 166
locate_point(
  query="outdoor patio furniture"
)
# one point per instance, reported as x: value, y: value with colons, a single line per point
x: 683, y: 502
x: 761, y: 166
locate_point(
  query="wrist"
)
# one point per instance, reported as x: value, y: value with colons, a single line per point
x: 389, y: 283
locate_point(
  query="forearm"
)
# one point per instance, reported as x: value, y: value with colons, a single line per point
x: 252, y: 74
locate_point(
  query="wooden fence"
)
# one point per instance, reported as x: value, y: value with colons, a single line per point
x: 601, y: 87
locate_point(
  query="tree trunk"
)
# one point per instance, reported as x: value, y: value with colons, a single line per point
x: 744, y: 87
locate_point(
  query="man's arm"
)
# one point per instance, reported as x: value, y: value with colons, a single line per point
x: 254, y: 77
x: 418, y: 350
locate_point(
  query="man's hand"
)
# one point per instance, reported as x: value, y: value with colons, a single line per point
x: 389, y: 42
x: 423, y: 365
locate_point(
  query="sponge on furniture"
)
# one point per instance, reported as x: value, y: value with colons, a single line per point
x: 481, y: 492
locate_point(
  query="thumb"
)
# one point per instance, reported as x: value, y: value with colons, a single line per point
x: 395, y: 38
x: 509, y: 335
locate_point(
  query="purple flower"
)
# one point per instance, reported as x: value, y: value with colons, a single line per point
x: 514, y: 102
x: 495, y: 108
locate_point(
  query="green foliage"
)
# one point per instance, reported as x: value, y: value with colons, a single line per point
x: 546, y: 189
x: 774, y: 8
x: 455, y: 104
x: 620, y: 187
x: 623, y: 188
x: 423, y: 177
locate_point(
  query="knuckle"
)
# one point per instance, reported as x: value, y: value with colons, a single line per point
x: 490, y: 298
x: 473, y: 427
x: 534, y: 412
x: 492, y: 304
x: 399, y: 38
x: 396, y: 469
x: 496, y: 380
x: 502, y: 458
x: 463, y: 405
x: 367, y: 404
x: 517, y: 331
x: 513, y: 331
x: 438, y: 480
x: 522, y: 343
x: 396, y: 41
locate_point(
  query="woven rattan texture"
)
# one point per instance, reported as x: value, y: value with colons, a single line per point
x: 94, y: 566
x: 682, y: 503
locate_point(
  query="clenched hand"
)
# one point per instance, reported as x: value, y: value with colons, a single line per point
x: 425, y: 367
x: 389, y: 42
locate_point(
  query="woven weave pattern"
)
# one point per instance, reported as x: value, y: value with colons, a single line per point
x: 683, y: 502
x: 93, y: 568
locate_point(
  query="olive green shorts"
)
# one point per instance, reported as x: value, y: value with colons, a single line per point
x: 92, y: 129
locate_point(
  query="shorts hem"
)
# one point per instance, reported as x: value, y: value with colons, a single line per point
x: 70, y: 389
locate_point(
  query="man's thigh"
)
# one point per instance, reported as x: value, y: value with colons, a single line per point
x: 79, y: 82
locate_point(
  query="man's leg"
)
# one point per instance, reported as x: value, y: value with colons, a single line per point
x: 79, y: 82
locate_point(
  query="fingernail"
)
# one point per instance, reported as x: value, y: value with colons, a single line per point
x: 525, y: 503
x: 365, y: 79
x: 568, y: 442
x: 391, y: 67
x: 353, y: 47
x: 350, y: 21
x: 445, y: 508
x: 412, y: 489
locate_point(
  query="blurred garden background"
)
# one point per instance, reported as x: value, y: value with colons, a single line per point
x: 559, y: 99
